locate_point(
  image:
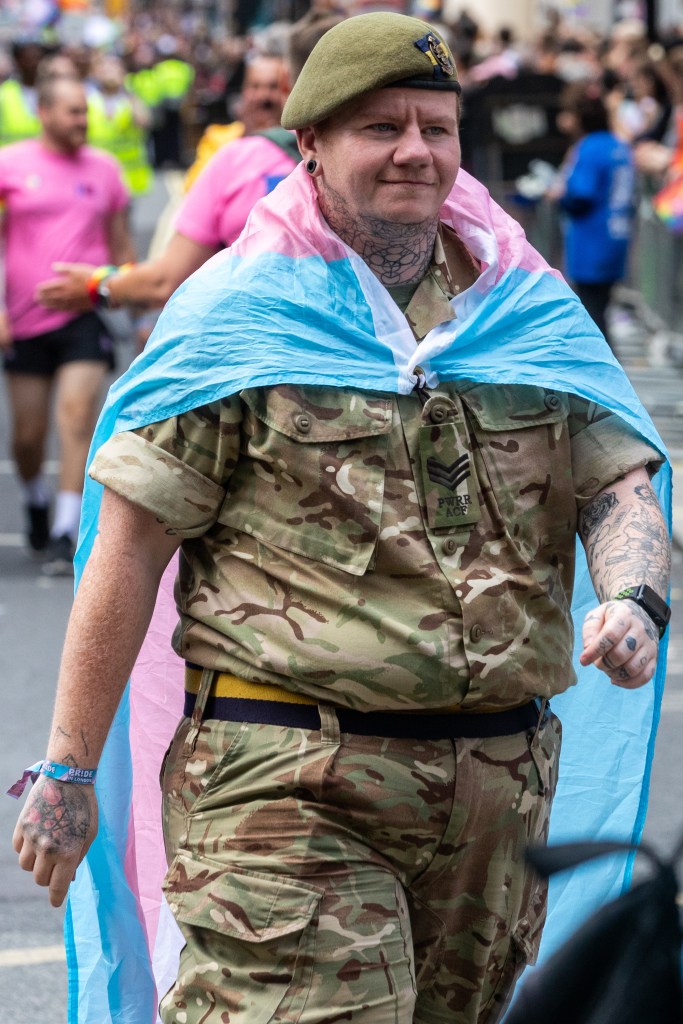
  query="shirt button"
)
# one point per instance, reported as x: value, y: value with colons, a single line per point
x: 440, y: 411
x: 476, y: 634
x: 302, y: 422
x: 450, y: 546
x: 552, y: 402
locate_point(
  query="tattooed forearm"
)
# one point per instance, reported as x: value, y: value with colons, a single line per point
x: 76, y: 754
x: 647, y: 495
x: 625, y: 538
x: 596, y: 512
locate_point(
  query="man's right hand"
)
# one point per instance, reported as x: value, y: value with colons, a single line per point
x: 69, y: 290
x: 53, y: 833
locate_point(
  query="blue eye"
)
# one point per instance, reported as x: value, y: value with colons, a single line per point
x: 383, y: 127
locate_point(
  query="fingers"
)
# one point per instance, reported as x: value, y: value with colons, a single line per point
x: 56, y: 876
x: 48, y: 291
x: 595, y: 643
x: 630, y: 674
x: 54, y: 831
x: 621, y: 642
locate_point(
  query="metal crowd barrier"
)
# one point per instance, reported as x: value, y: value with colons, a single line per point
x: 656, y: 268
x: 655, y: 273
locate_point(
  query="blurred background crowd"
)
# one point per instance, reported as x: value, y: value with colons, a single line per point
x: 180, y: 65
x: 169, y: 82
x: 571, y: 114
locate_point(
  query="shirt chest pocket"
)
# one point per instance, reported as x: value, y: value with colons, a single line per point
x: 310, y: 477
x: 522, y: 440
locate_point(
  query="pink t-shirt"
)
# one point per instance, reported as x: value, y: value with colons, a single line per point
x: 57, y: 208
x: 217, y: 206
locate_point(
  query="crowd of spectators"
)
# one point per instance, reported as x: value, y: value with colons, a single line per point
x: 187, y: 64
x: 172, y: 76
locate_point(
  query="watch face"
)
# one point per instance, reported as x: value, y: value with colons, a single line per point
x: 654, y: 603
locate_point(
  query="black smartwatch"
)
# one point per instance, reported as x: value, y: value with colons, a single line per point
x: 649, y: 601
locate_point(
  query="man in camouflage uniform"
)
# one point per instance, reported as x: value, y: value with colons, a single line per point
x: 374, y: 602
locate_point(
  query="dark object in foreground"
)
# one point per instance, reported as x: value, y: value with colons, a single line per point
x: 623, y: 966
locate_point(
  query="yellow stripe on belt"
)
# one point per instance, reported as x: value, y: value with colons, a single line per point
x: 226, y: 685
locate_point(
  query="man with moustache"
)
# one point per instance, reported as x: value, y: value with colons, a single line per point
x: 215, y: 210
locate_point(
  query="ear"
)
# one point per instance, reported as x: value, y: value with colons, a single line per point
x: 308, y: 143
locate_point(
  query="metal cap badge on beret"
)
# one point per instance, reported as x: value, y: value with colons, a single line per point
x: 366, y: 52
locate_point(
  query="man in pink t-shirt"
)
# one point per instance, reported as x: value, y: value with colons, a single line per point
x: 217, y: 205
x: 216, y: 208
x: 62, y: 201
x: 211, y: 217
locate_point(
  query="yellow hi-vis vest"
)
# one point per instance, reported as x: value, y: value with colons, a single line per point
x: 173, y: 78
x: 118, y: 134
x: 144, y: 84
x: 17, y: 120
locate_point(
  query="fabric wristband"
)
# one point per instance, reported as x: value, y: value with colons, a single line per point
x: 61, y: 772
x: 98, y: 275
x: 101, y: 274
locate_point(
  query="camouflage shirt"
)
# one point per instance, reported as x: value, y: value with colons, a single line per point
x: 375, y: 550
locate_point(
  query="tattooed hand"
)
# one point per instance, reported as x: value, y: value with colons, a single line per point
x: 55, y: 829
x: 620, y: 639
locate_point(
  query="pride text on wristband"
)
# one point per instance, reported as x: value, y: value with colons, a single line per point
x: 67, y: 773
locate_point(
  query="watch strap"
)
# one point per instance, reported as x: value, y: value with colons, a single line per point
x: 650, y: 601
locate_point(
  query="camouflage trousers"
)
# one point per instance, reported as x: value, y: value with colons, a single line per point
x: 322, y: 878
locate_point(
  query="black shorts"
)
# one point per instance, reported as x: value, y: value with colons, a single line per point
x: 82, y: 339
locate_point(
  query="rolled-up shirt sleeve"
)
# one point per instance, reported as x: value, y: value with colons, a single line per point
x: 179, y: 468
x: 605, y: 449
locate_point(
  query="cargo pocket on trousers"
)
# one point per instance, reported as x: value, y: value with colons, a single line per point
x: 249, y: 936
x: 526, y: 930
x: 544, y: 747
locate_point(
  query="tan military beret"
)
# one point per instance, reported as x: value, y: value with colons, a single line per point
x: 368, y: 52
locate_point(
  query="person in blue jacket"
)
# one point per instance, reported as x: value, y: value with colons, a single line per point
x: 596, y: 194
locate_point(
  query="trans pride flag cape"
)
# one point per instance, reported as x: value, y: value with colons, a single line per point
x: 291, y: 303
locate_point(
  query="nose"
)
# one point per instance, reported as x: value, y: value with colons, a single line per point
x: 412, y: 147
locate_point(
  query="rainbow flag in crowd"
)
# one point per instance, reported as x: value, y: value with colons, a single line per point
x: 668, y: 205
x: 291, y: 303
x: 668, y: 202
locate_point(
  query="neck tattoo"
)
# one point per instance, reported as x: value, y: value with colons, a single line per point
x: 396, y: 253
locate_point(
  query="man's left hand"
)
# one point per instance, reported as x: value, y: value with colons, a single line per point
x: 622, y: 641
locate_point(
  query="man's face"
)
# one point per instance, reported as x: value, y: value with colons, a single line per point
x: 108, y: 72
x: 392, y: 155
x: 263, y: 93
x: 65, y: 119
